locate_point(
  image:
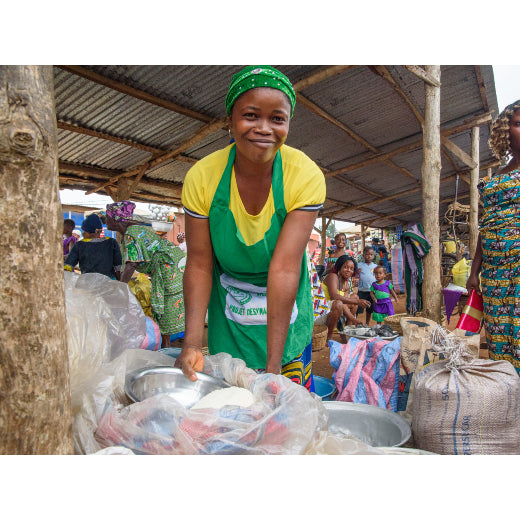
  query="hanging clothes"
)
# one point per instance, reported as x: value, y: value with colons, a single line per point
x: 415, y: 247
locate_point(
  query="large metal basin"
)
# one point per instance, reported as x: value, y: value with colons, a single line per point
x: 144, y: 383
x: 372, y: 425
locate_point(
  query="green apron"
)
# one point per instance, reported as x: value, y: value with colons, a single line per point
x: 237, y: 312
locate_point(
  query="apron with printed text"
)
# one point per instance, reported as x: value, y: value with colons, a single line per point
x: 237, y: 312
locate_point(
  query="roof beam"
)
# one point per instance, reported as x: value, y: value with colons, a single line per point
x: 321, y: 75
x: 102, y: 135
x: 62, y: 125
x: 452, y: 147
x: 362, y: 207
x: 142, y: 195
x: 134, y: 92
x: 201, y: 134
x: 458, y: 152
x: 466, y: 125
x: 307, y: 103
x: 422, y: 74
x: 482, y: 87
x: 103, y: 175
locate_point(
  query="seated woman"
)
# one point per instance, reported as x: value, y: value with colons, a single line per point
x: 338, y: 285
x: 93, y: 253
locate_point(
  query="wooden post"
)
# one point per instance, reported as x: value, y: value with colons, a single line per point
x: 431, y: 170
x: 323, y: 240
x: 35, y: 408
x: 363, y: 236
x: 123, y: 189
x: 473, y: 193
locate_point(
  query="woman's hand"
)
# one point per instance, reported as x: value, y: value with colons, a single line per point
x: 190, y: 360
x: 473, y: 283
x: 363, y: 303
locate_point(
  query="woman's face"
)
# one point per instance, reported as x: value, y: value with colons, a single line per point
x: 347, y: 269
x: 514, y: 132
x: 260, y: 123
x: 340, y: 241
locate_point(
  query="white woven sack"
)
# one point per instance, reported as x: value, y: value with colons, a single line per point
x: 471, y: 410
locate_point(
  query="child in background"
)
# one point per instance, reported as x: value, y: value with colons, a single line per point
x: 366, y: 279
x: 68, y: 238
x: 380, y: 292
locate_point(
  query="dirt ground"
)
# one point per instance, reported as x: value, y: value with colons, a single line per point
x: 320, y: 359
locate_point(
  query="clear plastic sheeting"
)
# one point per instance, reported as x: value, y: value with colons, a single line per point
x: 104, y: 389
x: 127, y: 328
x: 284, y: 418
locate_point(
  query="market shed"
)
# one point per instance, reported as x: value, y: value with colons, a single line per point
x: 136, y: 130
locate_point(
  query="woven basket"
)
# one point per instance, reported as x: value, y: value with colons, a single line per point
x: 395, y: 320
x: 319, y: 337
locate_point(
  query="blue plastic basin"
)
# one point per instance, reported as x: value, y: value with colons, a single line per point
x: 170, y: 351
x: 323, y: 387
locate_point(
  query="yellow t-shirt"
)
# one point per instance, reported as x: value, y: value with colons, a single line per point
x: 303, y: 184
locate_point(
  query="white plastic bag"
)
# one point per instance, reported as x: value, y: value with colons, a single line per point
x: 127, y: 328
x: 284, y: 418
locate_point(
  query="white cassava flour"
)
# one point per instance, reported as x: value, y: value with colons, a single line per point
x: 233, y: 396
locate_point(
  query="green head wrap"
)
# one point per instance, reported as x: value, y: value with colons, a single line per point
x: 258, y: 76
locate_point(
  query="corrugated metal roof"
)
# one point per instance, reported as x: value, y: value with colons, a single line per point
x: 358, y: 98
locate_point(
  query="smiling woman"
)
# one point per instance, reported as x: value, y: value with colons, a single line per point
x: 255, y: 202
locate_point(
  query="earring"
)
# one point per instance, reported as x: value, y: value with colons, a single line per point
x: 229, y: 131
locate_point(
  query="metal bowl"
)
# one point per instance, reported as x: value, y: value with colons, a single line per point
x: 372, y: 425
x: 144, y: 383
x: 358, y: 334
x: 323, y: 387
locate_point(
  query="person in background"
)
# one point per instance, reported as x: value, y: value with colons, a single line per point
x: 340, y: 242
x: 181, y: 238
x: 381, y: 290
x: 68, y: 238
x: 497, y: 255
x: 366, y: 279
x: 254, y: 203
x: 143, y: 250
x: 326, y: 312
x: 95, y: 254
x: 338, y: 285
x: 381, y: 254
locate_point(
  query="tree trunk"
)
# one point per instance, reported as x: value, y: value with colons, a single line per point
x: 35, y: 410
x: 473, y: 193
x: 431, y: 170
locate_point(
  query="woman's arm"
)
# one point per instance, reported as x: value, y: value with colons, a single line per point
x: 197, y: 283
x: 473, y: 281
x: 117, y: 259
x: 128, y: 271
x: 72, y: 258
x: 283, y: 280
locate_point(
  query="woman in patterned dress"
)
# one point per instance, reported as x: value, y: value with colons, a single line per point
x: 143, y: 250
x: 497, y: 257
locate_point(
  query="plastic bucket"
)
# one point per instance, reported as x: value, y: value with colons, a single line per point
x: 170, y: 351
x: 323, y: 387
